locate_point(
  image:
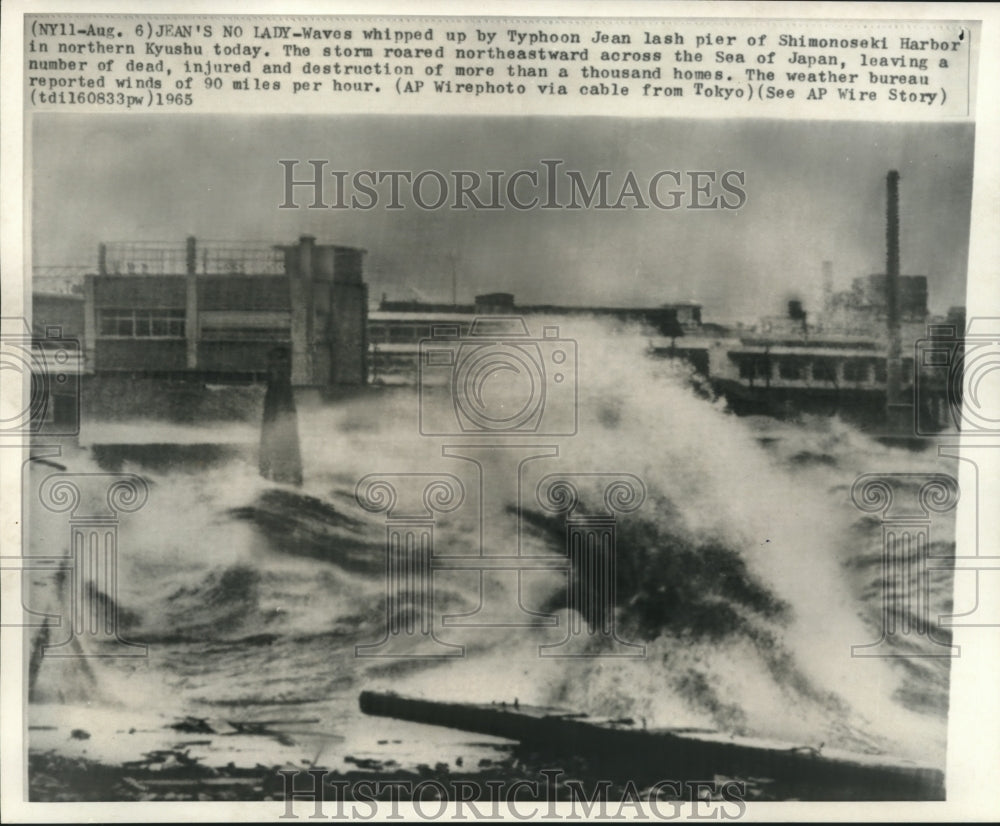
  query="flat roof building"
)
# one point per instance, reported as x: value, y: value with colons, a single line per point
x: 222, y: 310
x: 396, y: 328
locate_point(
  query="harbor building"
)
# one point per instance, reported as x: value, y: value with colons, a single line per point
x: 396, y: 328
x: 834, y: 361
x: 220, y: 311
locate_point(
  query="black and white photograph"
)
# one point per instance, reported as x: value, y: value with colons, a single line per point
x: 495, y: 464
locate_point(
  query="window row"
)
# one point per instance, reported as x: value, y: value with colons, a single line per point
x: 818, y: 369
x: 246, y: 333
x: 122, y: 323
x: 403, y: 333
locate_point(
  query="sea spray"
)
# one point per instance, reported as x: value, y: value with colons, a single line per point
x: 712, y: 485
x: 739, y: 572
x: 280, y: 456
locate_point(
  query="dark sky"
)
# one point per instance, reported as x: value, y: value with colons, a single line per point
x: 816, y: 191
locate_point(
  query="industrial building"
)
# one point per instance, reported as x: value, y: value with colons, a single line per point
x: 222, y: 311
x: 867, y: 301
x: 858, y: 358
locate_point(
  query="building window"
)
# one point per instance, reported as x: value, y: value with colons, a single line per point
x: 402, y: 334
x: 755, y: 367
x: 824, y: 370
x: 856, y: 370
x: 246, y: 334
x: 121, y: 323
x: 790, y: 369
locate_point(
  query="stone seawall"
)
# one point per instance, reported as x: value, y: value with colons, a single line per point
x: 120, y: 398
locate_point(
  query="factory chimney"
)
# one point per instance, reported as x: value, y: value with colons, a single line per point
x: 897, y: 411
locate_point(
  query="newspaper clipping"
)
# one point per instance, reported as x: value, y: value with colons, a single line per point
x: 499, y: 412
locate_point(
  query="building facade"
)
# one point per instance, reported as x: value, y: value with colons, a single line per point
x: 222, y: 311
x: 834, y: 363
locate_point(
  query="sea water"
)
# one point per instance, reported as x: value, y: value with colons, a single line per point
x: 747, y: 574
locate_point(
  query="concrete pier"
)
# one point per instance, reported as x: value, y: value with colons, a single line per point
x: 280, y: 455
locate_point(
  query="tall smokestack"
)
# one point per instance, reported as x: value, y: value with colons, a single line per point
x: 895, y: 408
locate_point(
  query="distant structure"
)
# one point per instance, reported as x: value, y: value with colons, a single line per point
x: 396, y: 328
x: 666, y: 319
x: 217, y: 311
x: 856, y: 357
x: 61, y: 310
x: 868, y: 300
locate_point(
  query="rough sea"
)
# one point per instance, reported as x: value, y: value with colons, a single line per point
x: 747, y: 573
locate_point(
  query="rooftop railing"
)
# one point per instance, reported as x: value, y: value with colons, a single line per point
x: 192, y: 257
x: 59, y: 280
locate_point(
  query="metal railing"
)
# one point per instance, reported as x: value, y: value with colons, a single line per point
x: 143, y: 258
x: 227, y: 257
x: 59, y: 280
x: 191, y: 257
